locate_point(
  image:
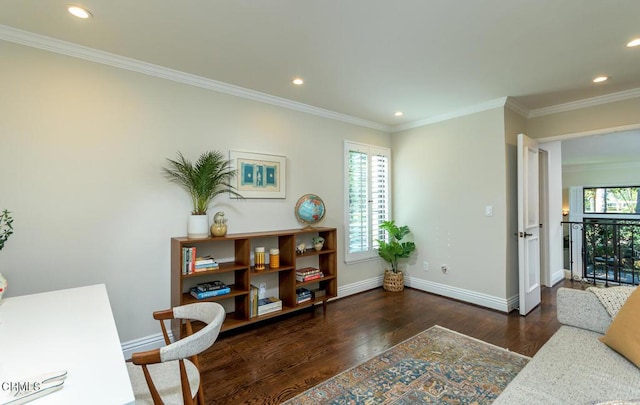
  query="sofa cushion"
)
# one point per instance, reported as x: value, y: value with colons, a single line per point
x: 573, y: 367
x: 582, y: 309
x: 623, y: 335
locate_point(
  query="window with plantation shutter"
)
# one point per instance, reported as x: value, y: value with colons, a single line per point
x: 367, y: 174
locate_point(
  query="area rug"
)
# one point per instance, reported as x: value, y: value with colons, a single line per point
x: 437, y: 366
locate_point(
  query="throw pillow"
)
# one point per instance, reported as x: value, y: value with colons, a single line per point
x: 623, y: 334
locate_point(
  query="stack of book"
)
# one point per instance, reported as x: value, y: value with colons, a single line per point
x: 205, y: 263
x: 210, y: 289
x: 267, y: 305
x: 308, y: 274
x: 193, y: 264
x: 302, y: 295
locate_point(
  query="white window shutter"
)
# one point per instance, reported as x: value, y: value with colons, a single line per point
x: 367, y: 178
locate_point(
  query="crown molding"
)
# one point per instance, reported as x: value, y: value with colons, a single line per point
x: 38, y: 41
x: 587, y: 102
x: 581, y: 134
x: 33, y: 40
x: 517, y: 107
x: 487, y: 105
x: 585, y: 167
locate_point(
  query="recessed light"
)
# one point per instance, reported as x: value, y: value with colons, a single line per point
x: 600, y: 79
x: 297, y: 81
x: 398, y: 114
x: 634, y: 42
x: 79, y: 12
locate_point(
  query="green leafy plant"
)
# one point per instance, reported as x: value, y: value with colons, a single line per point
x: 6, y: 227
x: 394, y: 249
x: 208, y: 177
x: 317, y: 239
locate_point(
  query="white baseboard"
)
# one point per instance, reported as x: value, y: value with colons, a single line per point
x: 513, y: 302
x: 145, y: 343
x: 360, y: 286
x: 156, y: 341
x: 558, y: 276
x: 472, y: 297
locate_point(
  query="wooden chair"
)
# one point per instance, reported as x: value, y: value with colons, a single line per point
x: 171, y: 374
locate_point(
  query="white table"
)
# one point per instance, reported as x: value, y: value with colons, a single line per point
x: 69, y: 330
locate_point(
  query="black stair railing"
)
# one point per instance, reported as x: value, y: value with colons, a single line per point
x: 609, y: 253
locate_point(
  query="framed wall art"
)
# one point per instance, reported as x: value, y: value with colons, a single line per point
x: 259, y: 175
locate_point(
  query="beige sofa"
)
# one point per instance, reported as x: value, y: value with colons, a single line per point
x: 574, y: 367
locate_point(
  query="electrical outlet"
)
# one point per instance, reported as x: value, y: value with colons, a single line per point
x: 425, y: 266
x: 444, y: 268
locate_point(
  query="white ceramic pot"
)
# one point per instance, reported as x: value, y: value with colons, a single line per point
x: 198, y: 227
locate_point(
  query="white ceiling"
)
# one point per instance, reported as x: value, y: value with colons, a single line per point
x: 368, y: 58
x: 619, y: 147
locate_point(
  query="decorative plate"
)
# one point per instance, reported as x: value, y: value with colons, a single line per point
x: 310, y: 209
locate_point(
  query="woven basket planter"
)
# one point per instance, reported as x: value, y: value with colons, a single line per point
x: 393, y: 282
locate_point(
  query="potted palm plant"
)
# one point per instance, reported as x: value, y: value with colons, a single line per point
x: 392, y: 250
x: 205, y: 179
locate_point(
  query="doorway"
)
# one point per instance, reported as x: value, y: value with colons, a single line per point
x: 588, y: 151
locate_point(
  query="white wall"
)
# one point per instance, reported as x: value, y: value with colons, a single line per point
x: 445, y: 174
x: 597, y: 118
x: 603, y: 174
x: 82, y: 147
x: 514, y: 124
x: 553, y: 226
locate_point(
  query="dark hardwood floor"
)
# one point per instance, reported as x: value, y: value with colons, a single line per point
x: 271, y: 362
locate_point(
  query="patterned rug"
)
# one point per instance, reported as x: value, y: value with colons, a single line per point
x: 437, y: 366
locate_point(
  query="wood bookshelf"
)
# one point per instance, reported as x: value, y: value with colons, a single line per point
x: 236, y: 268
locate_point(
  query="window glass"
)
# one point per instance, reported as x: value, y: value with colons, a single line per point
x: 367, y: 174
x: 611, y: 200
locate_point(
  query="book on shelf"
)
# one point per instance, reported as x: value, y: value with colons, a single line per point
x: 303, y: 295
x: 188, y: 259
x: 208, y: 294
x: 303, y: 291
x: 206, y: 265
x: 267, y: 305
x: 202, y: 269
x: 253, y: 301
x: 305, y: 271
x: 210, y: 286
x: 204, y: 260
x: 309, y: 277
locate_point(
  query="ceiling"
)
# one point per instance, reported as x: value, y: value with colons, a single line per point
x: 619, y: 147
x: 367, y: 59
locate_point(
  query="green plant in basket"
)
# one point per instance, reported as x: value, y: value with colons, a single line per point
x: 6, y: 227
x: 395, y: 249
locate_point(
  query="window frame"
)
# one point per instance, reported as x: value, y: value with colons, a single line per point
x: 605, y: 202
x: 371, y: 151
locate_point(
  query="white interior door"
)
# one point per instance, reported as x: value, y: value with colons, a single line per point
x: 528, y: 223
